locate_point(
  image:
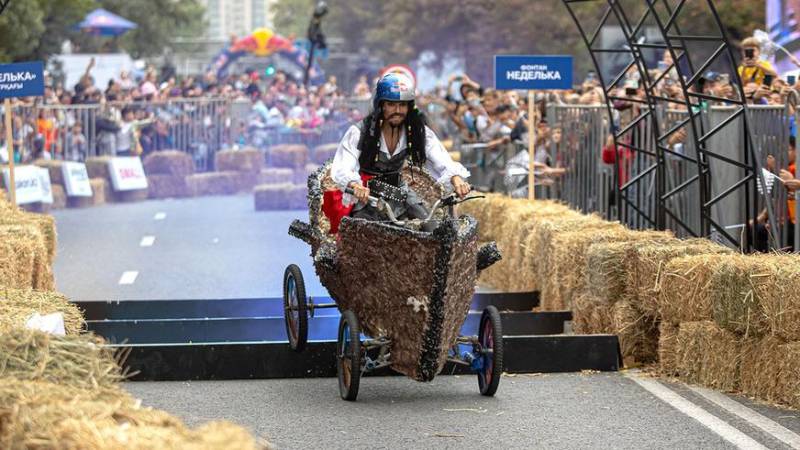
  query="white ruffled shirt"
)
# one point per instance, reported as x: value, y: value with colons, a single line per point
x: 345, y: 167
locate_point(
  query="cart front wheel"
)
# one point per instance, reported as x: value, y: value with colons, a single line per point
x: 295, y: 307
x: 348, y: 356
x: 490, y: 338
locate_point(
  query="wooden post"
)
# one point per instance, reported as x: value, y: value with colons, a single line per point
x: 12, y: 188
x: 531, y: 143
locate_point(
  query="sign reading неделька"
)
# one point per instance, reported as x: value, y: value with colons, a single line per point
x: 530, y: 72
x: 22, y: 79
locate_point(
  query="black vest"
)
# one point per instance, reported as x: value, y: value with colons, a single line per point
x: 383, y: 167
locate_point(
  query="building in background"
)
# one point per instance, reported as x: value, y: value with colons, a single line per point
x: 782, y: 26
x: 239, y: 17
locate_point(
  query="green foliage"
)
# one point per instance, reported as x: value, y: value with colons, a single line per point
x: 475, y: 30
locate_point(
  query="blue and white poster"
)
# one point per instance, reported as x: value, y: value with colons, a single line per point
x: 22, y: 79
x: 531, y: 72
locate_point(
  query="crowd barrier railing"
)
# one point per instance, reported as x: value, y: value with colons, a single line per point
x: 588, y: 183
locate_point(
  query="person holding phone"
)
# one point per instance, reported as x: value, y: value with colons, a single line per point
x: 752, y: 69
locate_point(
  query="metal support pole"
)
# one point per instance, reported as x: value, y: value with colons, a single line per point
x: 12, y: 188
x: 531, y: 144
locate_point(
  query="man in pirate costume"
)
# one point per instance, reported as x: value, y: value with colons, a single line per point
x: 371, y: 155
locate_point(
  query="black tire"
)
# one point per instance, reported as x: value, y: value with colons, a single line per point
x: 490, y: 337
x: 295, y: 308
x: 348, y: 356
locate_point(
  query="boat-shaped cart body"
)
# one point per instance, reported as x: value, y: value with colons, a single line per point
x: 403, y: 293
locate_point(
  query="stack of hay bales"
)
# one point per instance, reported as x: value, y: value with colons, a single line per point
x: 64, y: 391
x: 278, y: 192
x: 246, y: 163
x: 27, y: 249
x: 213, y: 183
x: 323, y: 153
x: 166, y: 173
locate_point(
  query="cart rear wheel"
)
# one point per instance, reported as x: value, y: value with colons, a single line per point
x: 490, y: 337
x: 295, y: 307
x: 348, y: 356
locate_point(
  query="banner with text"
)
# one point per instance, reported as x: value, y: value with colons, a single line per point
x: 127, y: 173
x: 22, y: 79
x: 33, y: 184
x: 530, y: 72
x: 76, y: 179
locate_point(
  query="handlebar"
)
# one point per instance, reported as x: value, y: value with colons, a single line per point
x: 446, y: 201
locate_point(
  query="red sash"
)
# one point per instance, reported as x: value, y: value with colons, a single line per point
x: 333, y: 208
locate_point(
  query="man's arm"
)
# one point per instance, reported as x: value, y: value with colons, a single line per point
x: 344, y: 168
x: 442, y: 166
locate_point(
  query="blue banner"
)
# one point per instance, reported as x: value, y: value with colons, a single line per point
x: 22, y: 79
x: 529, y: 72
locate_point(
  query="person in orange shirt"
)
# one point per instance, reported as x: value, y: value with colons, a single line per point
x: 45, y: 127
x: 753, y: 69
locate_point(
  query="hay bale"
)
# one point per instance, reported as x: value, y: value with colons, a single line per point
x: 59, y: 197
x: 55, y: 168
x: 24, y: 259
x: 647, y: 263
x: 709, y: 355
x: 637, y: 332
x: 541, y: 245
x: 275, y: 175
x: 212, y: 183
x: 607, y: 266
x: 167, y: 186
x: 136, y: 195
x: 684, y: 288
x: 760, y: 366
x: 246, y: 181
x: 736, y: 286
x: 668, y: 348
x: 18, y: 305
x: 245, y: 160
x: 168, y: 162
x: 566, y: 277
x: 322, y: 153
x: 48, y: 415
x: 272, y: 197
x: 99, y: 189
x: 300, y: 176
x: 779, y: 296
x: 591, y: 316
x: 74, y: 360
x: 510, y: 222
x: 289, y: 155
x: 97, y: 167
x: 44, y: 223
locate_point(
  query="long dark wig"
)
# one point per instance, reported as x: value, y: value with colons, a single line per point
x: 370, y: 142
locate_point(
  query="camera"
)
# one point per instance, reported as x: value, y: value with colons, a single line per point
x: 768, y: 80
x: 749, y: 53
x: 791, y: 79
x: 630, y: 92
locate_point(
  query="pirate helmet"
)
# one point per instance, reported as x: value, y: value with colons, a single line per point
x: 394, y: 87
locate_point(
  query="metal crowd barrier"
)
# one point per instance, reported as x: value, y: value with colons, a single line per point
x: 588, y: 183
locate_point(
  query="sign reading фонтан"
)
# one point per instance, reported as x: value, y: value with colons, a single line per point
x: 529, y: 72
x: 22, y: 79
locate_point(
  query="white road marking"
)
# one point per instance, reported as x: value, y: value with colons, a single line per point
x: 160, y: 216
x: 708, y: 420
x: 128, y: 277
x: 771, y: 427
x: 147, y: 241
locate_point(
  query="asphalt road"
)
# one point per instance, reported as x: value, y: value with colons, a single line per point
x: 203, y: 248
x: 220, y: 247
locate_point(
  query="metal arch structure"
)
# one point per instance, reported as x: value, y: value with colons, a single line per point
x: 660, y: 206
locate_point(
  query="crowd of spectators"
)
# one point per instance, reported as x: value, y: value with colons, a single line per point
x: 136, y: 115
x: 497, y: 120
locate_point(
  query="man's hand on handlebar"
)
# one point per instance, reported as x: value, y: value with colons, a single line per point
x: 460, y: 187
x: 360, y: 191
